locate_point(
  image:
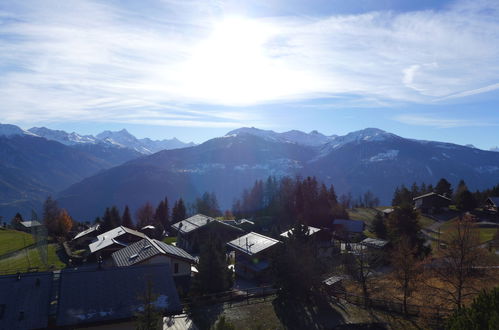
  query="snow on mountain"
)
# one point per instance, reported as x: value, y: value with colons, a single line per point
x: 496, y: 149
x: 313, y: 138
x: 9, y: 130
x: 62, y: 136
x: 368, y: 134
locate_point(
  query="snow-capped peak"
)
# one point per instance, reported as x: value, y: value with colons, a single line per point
x: 62, y: 136
x: 10, y: 130
x: 313, y: 138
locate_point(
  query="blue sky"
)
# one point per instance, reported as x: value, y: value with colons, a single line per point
x: 196, y: 69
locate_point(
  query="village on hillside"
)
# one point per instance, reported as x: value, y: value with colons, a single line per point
x: 326, y: 265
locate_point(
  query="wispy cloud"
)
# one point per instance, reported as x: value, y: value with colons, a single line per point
x: 434, y: 121
x: 175, y: 61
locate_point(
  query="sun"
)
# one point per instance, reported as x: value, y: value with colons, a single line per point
x: 234, y: 64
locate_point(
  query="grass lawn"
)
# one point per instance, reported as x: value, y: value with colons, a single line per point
x: 361, y: 213
x: 485, y: 234
x: 425, y: 221
x: 170, y: 240
x: 24, y: 260
x: 12, y: 240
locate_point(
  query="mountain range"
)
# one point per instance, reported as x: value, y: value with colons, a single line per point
x: 39, y: 162
x: 87, y: 177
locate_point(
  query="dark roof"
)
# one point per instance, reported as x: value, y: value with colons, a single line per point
x: 28, y: 296
x: 494, y: 200
x: 353, y: 226
x: 174, y: 251
x: 89, y: 296
x: 431, y: 194
x: 252, y: 243
x: 332, y: 280
x: 147, y: 248
x: 197, y: 221
x: 90, y: 230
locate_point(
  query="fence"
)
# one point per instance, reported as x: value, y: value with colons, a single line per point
x: 230, y: 296
x: 436, y: 314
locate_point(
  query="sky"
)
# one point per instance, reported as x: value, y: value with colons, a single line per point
x: 196, y: 69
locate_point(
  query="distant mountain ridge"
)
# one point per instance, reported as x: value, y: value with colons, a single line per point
x: 120, y: 139
x: 369, y: 159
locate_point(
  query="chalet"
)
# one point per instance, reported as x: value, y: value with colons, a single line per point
x: 113, y: 240
x: 333, y: 285
x: 386, y: 212
x: 150, y: 251
x: 431, y: 203
x: 149, y: 231
x: 111, y: 298
x: 312, y: 231
x: 86, y: 237
x: 253, y: 253
x: 25, y: 300
x: 375, y: 243
x: 491, y: 204
x: 28, y: 226
x: 193, y: 231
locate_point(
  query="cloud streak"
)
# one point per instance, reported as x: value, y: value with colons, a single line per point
x: 433, y: 121
x: 176, y: 61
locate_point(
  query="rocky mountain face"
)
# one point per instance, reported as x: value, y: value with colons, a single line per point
x: 369, y: 159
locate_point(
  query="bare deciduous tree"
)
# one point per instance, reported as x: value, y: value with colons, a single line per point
x: 459, y: 266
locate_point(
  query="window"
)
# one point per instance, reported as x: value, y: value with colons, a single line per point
x: 175, y: 268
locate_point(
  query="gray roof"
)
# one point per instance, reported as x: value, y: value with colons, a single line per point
x: 252, y: 243
x: 353, y: 226
x: 28, y: 296
x: 332, y: 280
x: 110, y: 237
x: 375, y: 242
x: 93, y: 229
x: 197, y: 221
x: 147, y: 248
x: 431, y: 194
x: 311, y: 231
x: 29, y: 224
x: 494, y: 200
x: 88, y: 296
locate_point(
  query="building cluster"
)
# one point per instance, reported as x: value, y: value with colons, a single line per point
x: 110, y: 286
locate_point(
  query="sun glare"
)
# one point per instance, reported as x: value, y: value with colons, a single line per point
x: 233, y: 65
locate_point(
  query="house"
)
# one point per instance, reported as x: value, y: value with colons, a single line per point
x: 345, y: 229
x: 375, y: 243
x: 253, y: 252
x: 25, y: 300
x: 86, y: 237
x: 194, y: 231
x: 150, y: 251
x: 431, y: 203
x: 312, y: 231
x: 149, y: 231
x: 111, y: 298
x: 491, y: 204
x: 28, y: 226
x: 386, y: 212
x: 244, y: 224
x: 333, y: 285
x: 113, y: 240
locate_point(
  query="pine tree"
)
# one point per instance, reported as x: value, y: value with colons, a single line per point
x: 444, y: 188
x: 127, y: 218
x: 213, y: 272
x: 16, y: 220
x: 50, y: 214
x: 178, y: 212
x: 465, y: 201
x: 145, y: 215
x: 378, y: 226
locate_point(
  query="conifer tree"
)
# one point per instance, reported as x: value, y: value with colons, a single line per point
x: 178, y: 212
x: 50, y: 214
x: 127, y: 218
